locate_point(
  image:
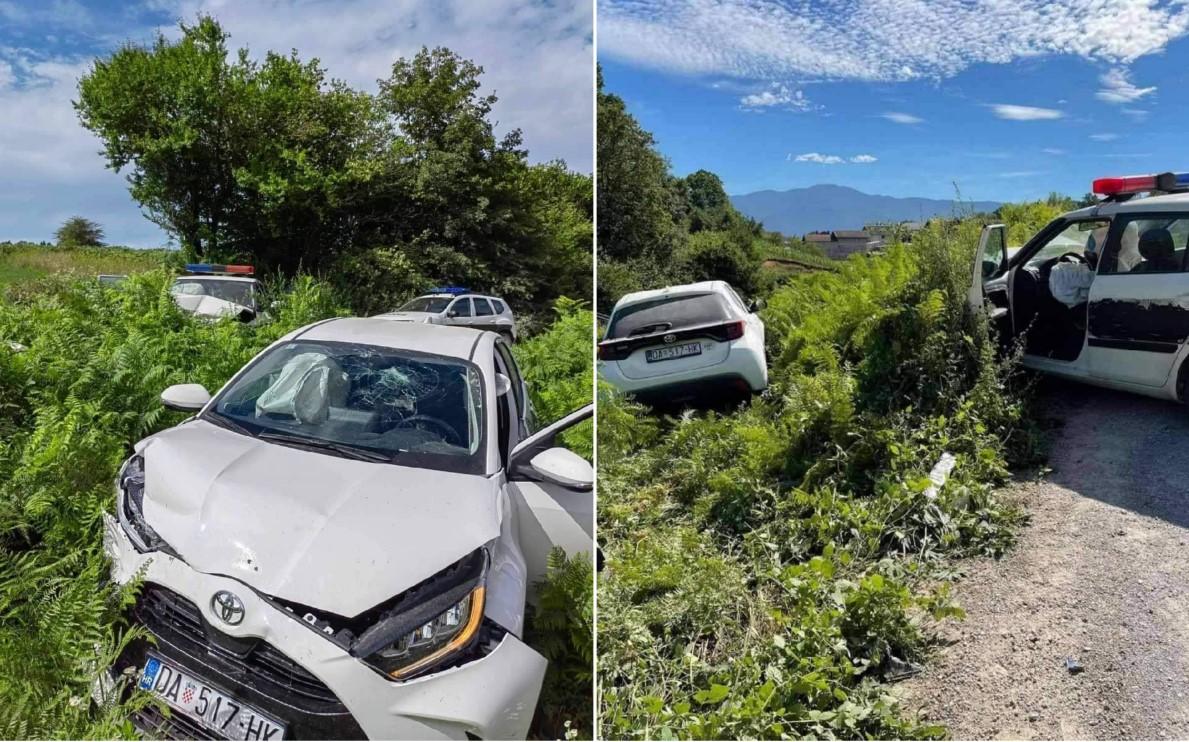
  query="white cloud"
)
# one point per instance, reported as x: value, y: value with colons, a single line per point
x: 902, y: 118
x: 1118, y: 88
x: 1104, y: 137
x: 1053, y: 151
x: 878, y: 40
x: 819, y: 158
x: 1025, y: 113
x: 777, y: 96
x: 1138, y: 114
x: 537, y: 58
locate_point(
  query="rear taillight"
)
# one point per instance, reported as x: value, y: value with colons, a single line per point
x: 733, y: 330
x: 614, y: 351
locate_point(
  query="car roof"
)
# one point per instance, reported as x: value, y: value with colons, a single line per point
x: 460, y: 296
x: 208, y: 277
x: 702, y: 287
x: 455, y: 342
x: 1162, y: 202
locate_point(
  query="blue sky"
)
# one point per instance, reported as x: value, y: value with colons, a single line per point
x: 1011, y: 99
x: 536, y: 55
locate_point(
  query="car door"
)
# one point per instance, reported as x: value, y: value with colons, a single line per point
x: 460, y: 312
x: 1139, y: 302
x: 989, y: 287
x: 485, y: 317
x: 552, y: 491
x: 507, y: 365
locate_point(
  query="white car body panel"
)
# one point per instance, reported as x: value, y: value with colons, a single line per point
x: 1132, y: 370
x: 208, y: 306
x: 500, y: 322
x: 291, y: 522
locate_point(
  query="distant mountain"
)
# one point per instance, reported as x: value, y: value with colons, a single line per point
x: 831, y: 207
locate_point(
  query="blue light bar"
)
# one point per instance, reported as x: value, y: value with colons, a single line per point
x: 455, y: 290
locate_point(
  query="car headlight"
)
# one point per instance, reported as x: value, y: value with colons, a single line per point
x: 429, y: 624
x: 130, y: 508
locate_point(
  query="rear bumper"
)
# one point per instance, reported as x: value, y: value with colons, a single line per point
x: 321, y: 691
x: 740, y: 366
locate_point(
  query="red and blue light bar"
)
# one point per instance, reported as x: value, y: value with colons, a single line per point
x: 1128, y: 184
x: 220, y: 270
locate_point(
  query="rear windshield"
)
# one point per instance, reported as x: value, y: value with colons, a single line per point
x: 668, y: 313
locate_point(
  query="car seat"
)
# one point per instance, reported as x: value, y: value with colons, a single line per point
x: 1159, y: 253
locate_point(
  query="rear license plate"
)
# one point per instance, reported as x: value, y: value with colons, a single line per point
x: 673, y: 351
x: 207, y: 705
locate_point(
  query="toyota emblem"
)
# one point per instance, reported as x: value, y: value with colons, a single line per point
x: 670, y: 338
x: 227, y: 606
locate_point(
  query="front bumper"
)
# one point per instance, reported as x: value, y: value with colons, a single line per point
x: 313, y: 685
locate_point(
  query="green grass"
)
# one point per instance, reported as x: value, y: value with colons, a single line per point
x: 24, y: 263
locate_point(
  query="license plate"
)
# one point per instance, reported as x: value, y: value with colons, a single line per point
x: 668, y: 353
x: 209, y: 706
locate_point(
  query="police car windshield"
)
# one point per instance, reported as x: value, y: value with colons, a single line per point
x: 237, y: 292
x: 431, y: 304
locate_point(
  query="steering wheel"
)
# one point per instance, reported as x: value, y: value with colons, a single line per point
x: 432, y: 424
x: 1077, y: 258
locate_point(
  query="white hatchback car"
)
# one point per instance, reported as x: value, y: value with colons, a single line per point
x: 684, y: 341
x: 459, y: 307
x: 1125, y: 322
x: 341, y: 542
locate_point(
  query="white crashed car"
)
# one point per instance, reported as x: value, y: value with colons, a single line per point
x: 341, y: 542
x: 458, y: 307
x: 217, y: 291
x: 696, y: 340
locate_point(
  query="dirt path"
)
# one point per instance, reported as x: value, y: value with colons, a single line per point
x: 1101, y: 575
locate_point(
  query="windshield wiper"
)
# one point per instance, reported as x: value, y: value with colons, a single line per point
x: 223, y: 421
x: 349, y: 451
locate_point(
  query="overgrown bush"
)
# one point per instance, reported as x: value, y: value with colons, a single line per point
x: 765, y: 570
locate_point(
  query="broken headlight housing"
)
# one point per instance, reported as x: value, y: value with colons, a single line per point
x: 429, y: 624
x: 130, y: 507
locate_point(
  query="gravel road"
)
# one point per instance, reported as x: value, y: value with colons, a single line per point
x: 1100, y: 575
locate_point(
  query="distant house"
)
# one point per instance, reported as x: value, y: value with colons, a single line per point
x: 894, y: 231
x: 843, y: 242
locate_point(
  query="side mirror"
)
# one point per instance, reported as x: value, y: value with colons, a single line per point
x: 452, y: 313
x: 247, y: 315
x: 755, y: 305
x: 563, y: 467
x: 185, y: 397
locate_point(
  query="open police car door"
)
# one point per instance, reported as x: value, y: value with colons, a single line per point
x: 991, y: 279
x: 552, y: 489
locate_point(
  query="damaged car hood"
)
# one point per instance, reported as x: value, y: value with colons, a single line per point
x: 310, y: 528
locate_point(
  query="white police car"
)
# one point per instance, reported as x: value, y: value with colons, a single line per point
x: 459, y: 307
x: 1123, y: 319
x: 341, y: 542
x: 216, y: 291
x: 683, y: 342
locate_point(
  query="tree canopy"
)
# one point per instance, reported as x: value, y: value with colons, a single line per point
x: 79, y: 232
x: 271, y: 161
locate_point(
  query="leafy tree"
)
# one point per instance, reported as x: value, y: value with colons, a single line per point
x: 635, y: 195
x: 79, y: 232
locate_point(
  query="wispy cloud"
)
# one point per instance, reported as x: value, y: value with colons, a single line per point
x: 777, y: 96
x: 1053, y: 151
x: 1025, y: 113
x: 902, y: 118
x: 1118, y: 88
x: 1138, y: 114
x: 1021, y: 173
x: 1104, y: 137
x: 821, y: 159
x: 841, y: 39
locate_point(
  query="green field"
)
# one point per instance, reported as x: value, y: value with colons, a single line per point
x: 24, y: 262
